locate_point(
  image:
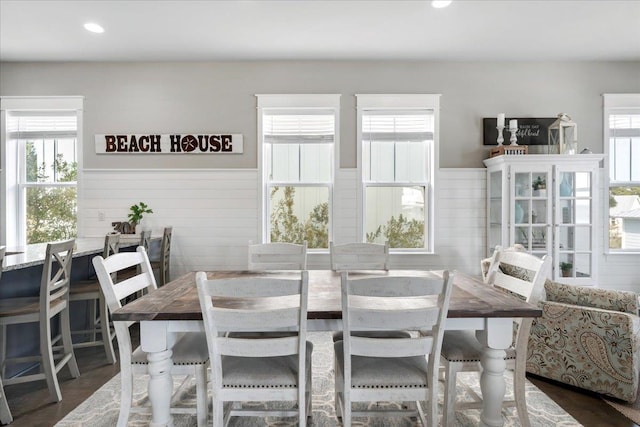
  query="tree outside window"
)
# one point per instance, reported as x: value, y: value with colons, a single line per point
x: 51, y: 212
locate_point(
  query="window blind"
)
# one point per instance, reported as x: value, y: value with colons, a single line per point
x: 624, y: 146
x: 411, y: 126
x: 303, y: 127
x: 40, y: 125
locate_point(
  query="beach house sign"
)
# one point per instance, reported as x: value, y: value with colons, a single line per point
x: 178, y: 143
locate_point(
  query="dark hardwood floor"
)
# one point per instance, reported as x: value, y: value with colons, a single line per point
x: 31, y: 406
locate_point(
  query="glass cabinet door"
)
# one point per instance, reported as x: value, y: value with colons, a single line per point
x: 495, y: 213
x: 574, y: 224
x: 531, y: 211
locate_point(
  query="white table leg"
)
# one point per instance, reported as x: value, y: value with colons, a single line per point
x: 156, y: 342
x: 496, y: 338
x: 160, y: 388
x: 493, y: 387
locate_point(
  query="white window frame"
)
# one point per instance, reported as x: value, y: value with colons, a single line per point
x: 402, y: 102
x: 12, y: 167
x: 615, y: 102
x: 293, y: 102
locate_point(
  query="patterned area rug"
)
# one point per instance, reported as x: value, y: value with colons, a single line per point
x: 101, y: 409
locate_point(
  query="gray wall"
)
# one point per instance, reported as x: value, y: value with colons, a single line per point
x: 219, y: 97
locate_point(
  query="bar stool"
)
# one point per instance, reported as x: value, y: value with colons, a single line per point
x: 145, y: 239
x: 163, y: 263
x: 53, y: 302
x: 5, y: 412
x: 89, y: 290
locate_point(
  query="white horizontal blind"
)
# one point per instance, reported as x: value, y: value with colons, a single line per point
x: 411, y: 126
x: 298, y: 127
x: 41, y: 124
x: 397, y: 145
x: 624, y: 145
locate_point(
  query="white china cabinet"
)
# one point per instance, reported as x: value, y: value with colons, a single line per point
x: 550, y: 205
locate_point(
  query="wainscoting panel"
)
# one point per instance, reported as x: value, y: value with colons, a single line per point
x: 215, y: 213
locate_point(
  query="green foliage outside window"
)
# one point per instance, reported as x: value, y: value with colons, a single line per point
x: 401, y: 233
x: 51, y: 212
x: 288, y: 228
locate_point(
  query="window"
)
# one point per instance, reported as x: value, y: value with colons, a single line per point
x: 622, y: 143
x: 398, y: 142
x: 41, y: 161
x: 298, y: 135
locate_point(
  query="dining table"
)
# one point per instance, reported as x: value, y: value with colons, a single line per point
x: 174, y: 309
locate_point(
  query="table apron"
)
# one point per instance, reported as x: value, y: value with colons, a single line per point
x: 160, y: 335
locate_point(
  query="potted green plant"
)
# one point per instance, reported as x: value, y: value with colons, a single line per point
x: 566, y: 267
x: 539, y: 186
x: 137, y: 213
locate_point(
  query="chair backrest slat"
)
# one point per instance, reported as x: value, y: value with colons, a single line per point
x: 412, y: 319
x: 257, y: 287
x: 277, y: 256
x: 359, y: 256
x: 395, y: 347
x: 255, y: 320
x: 396, y: 286
x: 266, y: 347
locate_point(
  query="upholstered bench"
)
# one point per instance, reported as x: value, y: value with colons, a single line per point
x: 588, y: 338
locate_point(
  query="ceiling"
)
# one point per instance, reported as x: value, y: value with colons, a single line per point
x: 468, y: 30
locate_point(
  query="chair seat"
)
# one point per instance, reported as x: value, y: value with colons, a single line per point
x: 263, y: 372
x: 381, y: 372
x: 84, y: 288
x: 24, y: 306
x: 462, y: 346
x: 191, y: 349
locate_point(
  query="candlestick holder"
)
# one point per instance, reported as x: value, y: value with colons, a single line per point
x: 500, y: 137
x: 513, y: 138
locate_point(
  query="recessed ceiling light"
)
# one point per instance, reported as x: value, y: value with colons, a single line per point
x: 93, y: 27
x: 439, y: 4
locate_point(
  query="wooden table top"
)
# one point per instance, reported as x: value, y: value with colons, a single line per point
x: 178, y: 299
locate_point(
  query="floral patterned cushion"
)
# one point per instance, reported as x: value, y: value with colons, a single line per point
x: 623, y: 301
x: 587, y: 347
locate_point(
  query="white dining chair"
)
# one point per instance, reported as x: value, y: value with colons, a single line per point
x: 52, y: 304
x: 190, y: 356
x: 359, y: 256
x: 485, y: 263
x: 5, y: 412
x: 258, y: 367
x: 515, y: 272
x: 373, y: 369
x: 88, y: 291
x: 277, y: 256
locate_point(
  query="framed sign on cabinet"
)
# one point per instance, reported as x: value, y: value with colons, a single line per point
x: 532, y: 132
